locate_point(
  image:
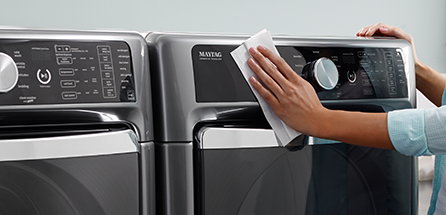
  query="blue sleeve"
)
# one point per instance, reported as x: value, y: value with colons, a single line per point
x: 407, y: 131
x: 440, y: 165
x: 418, y: 131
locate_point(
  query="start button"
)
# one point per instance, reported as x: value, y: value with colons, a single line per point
x: 44, y: 76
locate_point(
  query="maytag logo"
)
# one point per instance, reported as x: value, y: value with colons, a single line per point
x: 208, y: 55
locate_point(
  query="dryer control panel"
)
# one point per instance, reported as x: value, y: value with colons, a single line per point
x: 65, y: 71
x: 364, y: 73
x: 356, y: 73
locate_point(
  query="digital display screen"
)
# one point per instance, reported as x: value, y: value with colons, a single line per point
x: 41, y: 55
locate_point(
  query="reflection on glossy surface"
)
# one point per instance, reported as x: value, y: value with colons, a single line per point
x: 323, y: 179
x: 71, y: 186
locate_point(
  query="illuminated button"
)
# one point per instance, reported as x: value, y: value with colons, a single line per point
x: 44, y: 76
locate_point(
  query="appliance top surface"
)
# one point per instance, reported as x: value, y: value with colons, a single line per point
x: 198, y: 38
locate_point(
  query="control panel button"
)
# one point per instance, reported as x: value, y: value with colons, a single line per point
x: 64, y: 60
x: 9, y: 74
x: 109, y: 92
x: 69, y: 95
x: 351, y: 76
x: 68, y: 84
x: 44, y: 76
x: 392, y: 90
x: 62, y: 48
x: 66, y: 72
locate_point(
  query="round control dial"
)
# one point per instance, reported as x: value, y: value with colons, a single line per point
x: 322, y: 74
x: 9, y: 74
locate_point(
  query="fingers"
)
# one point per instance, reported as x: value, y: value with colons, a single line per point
x: 269, y: 74
x: 378, y: 29
x: 265, y: 93
x: 280, y: 65
x: 381, y: 29
x: 265, y: 77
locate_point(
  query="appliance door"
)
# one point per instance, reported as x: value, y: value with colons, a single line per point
x: 241, y: 171
x: 71, y: 175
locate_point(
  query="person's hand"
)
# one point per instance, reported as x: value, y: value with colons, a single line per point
x: 295, y: 101
x: 291, y: 97
x: 381, y: 29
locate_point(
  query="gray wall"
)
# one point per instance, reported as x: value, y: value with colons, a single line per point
x: 425, y: 20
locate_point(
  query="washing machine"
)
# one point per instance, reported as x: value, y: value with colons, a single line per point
x: 76, y: 130
x: 217, y: 154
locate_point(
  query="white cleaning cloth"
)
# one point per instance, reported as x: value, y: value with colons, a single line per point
x: 284, y: 133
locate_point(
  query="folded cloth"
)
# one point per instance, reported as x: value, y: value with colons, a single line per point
x: 284, y: 133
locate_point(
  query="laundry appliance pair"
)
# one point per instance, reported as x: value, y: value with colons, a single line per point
x: 163, y: 123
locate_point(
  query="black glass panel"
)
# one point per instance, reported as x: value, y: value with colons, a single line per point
x: 102, y: 185
x: 364, y: 73
x: 316, y: 180
x: 60, y: 72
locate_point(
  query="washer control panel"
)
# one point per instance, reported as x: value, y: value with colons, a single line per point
x: 337, y: 73
x: 364, y: 73
x: 59, y: 72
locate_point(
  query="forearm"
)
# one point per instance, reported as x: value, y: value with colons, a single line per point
x: 357, y: 128
x: 430, y: 82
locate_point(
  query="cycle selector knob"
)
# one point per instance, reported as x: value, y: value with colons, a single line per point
x: 322, y: 74
x: 9, y: 74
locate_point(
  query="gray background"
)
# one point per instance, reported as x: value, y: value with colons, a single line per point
x: 425, y: 20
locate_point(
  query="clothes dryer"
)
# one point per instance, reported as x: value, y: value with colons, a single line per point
x: 76, y: 132
x: 216, y: 153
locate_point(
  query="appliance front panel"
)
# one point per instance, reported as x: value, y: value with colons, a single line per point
x: 311, y: 180
x: 100, y: 185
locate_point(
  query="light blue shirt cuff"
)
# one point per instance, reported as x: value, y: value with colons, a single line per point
x: 407, y: 132
x: 443, y: 99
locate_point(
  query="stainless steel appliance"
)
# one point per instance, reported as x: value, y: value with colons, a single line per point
x: 216, y: 154
x: 76, y: 131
